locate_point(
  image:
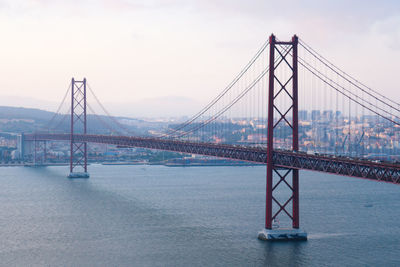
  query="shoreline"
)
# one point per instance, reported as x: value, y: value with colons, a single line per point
x: 31, y: 165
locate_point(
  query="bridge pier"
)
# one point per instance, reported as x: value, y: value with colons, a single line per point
x: 274, y: 207
x: 282, y: 235
x: 74, y: 175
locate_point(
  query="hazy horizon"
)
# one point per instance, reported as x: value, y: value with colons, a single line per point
x: 172, y: 106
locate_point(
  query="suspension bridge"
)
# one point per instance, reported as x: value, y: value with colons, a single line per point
x: 263, y: 116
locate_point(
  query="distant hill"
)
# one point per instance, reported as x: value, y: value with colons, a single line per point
x: 162, y: 106
x: 19, y: 119
x: 24, y: 113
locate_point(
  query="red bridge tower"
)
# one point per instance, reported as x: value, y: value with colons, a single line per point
x: 78, y: 157
x: 275, y: 206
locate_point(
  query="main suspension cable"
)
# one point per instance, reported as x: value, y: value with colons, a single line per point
x: 338, y: 71
x: 47, y: 126
x: 235, y: 100
x: 112, y: 118
x: 224, y: 92
x: 349, y: 97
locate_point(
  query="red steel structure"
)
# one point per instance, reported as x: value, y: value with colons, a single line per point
x: 282, y: 165
x: 358, y: 168
x: 284, y: 49
x: 78, y: 156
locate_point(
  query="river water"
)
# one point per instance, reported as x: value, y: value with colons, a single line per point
x: 193, y: 216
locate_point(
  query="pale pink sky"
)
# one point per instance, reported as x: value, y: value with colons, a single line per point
x: 135, y: 50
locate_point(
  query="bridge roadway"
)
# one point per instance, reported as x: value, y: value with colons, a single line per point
x: 367, y: 169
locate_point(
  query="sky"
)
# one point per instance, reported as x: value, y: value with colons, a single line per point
x: 169, y: 57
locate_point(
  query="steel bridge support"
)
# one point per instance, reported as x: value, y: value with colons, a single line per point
x: 78, y: 156
x: 275, y: 206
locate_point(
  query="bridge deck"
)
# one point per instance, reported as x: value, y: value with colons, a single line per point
x: 286, y: 159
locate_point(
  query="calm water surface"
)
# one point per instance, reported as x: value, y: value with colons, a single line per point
x: 197, y: 216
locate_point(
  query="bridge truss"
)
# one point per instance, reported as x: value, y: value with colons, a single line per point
x: 367, y: 169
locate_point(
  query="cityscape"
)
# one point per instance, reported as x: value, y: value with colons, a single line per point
x: 324, y: 132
